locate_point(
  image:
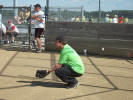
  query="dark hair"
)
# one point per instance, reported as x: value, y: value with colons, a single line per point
x: 37, y: 5
x: 61, y: 39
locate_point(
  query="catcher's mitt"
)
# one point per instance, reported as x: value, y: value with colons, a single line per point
x: 41, y: 73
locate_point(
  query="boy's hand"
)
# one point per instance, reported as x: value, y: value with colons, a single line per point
x: 35, y: 16
x: 57, y: 66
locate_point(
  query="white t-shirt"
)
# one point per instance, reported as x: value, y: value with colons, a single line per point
x: 107, y: 20
x: 38, y: 24
x: 3, y: 28
x: 115, y: 20
x: 73, y: 19
x: 12, y: 27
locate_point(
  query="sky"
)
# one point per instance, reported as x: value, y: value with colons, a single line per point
x: 89, y: 5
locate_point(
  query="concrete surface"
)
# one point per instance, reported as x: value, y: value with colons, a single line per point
x: 104, y: 79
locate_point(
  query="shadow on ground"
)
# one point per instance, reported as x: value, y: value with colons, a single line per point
x: 44, y: 84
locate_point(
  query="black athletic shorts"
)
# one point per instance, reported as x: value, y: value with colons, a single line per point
x: 38, y: 32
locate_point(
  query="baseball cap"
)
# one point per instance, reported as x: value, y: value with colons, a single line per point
x: 115, y: 15
x: 37, y: 5
x: 61, y: 38
x: 107, y: 15
x: 10, y: 21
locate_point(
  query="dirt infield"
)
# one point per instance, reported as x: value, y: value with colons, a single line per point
x: 104, y: 79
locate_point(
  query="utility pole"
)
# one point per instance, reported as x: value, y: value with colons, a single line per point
x: 47, y: 9
x: 14, y: 5
x: 99, y: 18
x: 82, y: 13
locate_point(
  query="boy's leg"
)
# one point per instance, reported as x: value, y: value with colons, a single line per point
x: 39, y: 43
x: 67, y: 75
x: 9, y: 36
x: 38, y: 32
x: 13, y: 38
x: 5, y: 36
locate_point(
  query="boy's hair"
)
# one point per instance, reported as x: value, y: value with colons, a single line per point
x: 61, y: 39
x: 37, y: 5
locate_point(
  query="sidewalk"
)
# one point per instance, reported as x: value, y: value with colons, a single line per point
x: 104, y: 79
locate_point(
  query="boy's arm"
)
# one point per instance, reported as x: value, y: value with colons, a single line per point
x: 55, y: 67
x: 35, y: 16
x: 39, y: 19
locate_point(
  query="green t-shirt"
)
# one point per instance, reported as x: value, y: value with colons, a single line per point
x: 70, y: 57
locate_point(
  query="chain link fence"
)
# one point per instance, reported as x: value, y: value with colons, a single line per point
x: 21, y: 18
x: 78, y: 14
x: 67, y: 14
x: 122, y: 16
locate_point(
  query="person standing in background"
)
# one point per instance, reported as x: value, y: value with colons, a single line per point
x: 39, y: 24
x: 121, y: 20
x: 115, y: 19
x: 77, y: 19
x: 126, y: 20
x: 107, y: 18
x: 110, y: 19
x: 73, y: 19
x: 84, y: 19
x: 91, y: 20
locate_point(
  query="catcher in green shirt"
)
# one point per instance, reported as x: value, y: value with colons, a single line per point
x: 70, y: 64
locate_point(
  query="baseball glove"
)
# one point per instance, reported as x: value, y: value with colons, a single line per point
x: 41, y: 73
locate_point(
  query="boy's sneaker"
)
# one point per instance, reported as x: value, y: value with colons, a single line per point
x: 12, y: 41
x: 6, y: 42
x: 72, y: 85
x: 39, y: 50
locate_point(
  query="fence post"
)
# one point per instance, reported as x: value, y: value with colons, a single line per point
x: 1, y: 26
x: 15, y: 9
x: 45, y: 13
x: 29, y: 28
x: 47, y: 9
x: 82, y: 14
x: 99, y: 18
x: 59, y: 14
